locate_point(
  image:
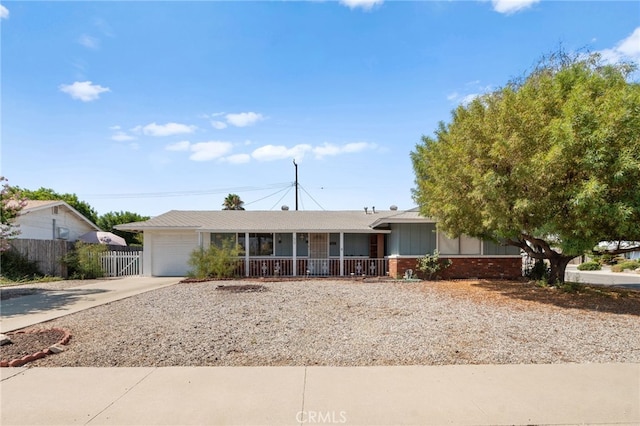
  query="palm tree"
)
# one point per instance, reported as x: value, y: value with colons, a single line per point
x: 232, y: 202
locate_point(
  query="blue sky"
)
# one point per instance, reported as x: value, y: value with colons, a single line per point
x: 153, y: 106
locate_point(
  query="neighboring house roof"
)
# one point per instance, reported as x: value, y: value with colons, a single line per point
x: 274, y: 221
x: 35, y: 205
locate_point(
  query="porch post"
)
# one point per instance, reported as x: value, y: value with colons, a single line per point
x: 295, y: 254
x: 246, y: 254
x: 342, y: 254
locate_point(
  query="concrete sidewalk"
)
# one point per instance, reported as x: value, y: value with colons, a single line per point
x: 24, y: 311
x: 426, y: 395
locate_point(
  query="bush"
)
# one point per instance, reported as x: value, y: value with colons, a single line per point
x: 16, y: 266
x: 589, y: 266
x: 430, y: 264
x: 215, y: 262
x: 608, y: 259
x: 570, y: 287
x: 84, y: 261
x: 538, y: 272
x: 627, y: 264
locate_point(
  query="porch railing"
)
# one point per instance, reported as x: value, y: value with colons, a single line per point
x: 283, y: 266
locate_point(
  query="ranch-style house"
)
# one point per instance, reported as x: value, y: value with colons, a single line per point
x: 319, y: 243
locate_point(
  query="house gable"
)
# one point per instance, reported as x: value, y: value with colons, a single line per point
x: 51, y: 220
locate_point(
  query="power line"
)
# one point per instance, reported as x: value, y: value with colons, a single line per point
x: 305, y: 191
x: 288, y: 188
x: 284, y: 195
x: 187, y: 193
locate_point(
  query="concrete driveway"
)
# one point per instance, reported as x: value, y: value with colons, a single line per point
x: 20, y: 312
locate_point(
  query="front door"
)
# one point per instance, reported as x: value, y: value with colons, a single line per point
x: 318, y: 254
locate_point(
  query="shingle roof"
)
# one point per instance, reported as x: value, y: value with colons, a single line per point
x: 254, y: 221
x: 408, y: 216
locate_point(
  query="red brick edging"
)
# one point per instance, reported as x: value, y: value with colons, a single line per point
x: 18, y: 362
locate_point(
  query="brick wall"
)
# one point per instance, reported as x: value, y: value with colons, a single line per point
x: 465, y: 267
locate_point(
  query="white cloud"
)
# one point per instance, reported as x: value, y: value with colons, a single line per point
x: 179, y: 146
x: 122, y: 137
x: 83, y: 90
x: 89, y: 42
x: 630, y: 46
x: 474, y: 87
x: 205, y: 151
x: 237, y: 159
x: 511, y: 6
x: 4, y: 12
x: 279, y: 152
x: 219, y: 125
x: 453, y: 96
x: 627, y: 49
x: 168, y: 129
x: 104, y: 27
x: 466, y: 100
x: 328, y: 149
x: 364, y: 4
x: 244, y: 119
x: 358, y: 147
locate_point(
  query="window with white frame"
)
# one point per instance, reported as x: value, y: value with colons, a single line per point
x: 260, y: 244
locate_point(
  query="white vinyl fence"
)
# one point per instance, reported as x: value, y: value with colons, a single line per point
x: 122, y: 263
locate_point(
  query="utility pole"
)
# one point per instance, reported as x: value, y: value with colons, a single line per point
x: 294, y: 163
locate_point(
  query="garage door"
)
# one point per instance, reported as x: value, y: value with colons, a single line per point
x: 171, y: 253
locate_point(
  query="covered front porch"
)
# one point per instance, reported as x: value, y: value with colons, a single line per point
x: 270, y: 254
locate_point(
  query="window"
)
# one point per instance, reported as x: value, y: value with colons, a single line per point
x: 218, y: 240
x: 63, y: 233
x: 259, y: 244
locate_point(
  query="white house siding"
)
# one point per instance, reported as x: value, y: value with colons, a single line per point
x: 44, y: 224
x: 166, y: 253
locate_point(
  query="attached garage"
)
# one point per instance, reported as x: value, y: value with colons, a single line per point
x: 167, y: 253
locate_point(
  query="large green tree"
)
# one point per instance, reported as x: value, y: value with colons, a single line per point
x: 549, y: 163
x: 11, y: 203
x: 108, y: 221
x: 72, y: 199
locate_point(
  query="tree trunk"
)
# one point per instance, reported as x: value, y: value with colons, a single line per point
x: 558, y: 266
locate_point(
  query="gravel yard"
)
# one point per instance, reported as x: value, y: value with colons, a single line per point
x: 352, y: 323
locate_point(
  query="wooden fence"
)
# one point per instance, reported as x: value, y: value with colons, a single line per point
x: 47, y: 254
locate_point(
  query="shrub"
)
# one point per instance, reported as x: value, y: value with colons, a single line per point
x: 17, y: 267
x: 608, y: 259
x: 215, y: 262
x: 84, y: 261
x: 571, y: 287
x: 627, y: 264
x: 589, y: 266
x: 538, y: 272
x: 430, y: 264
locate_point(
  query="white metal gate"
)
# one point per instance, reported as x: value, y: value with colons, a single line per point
x: 122, y: 263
